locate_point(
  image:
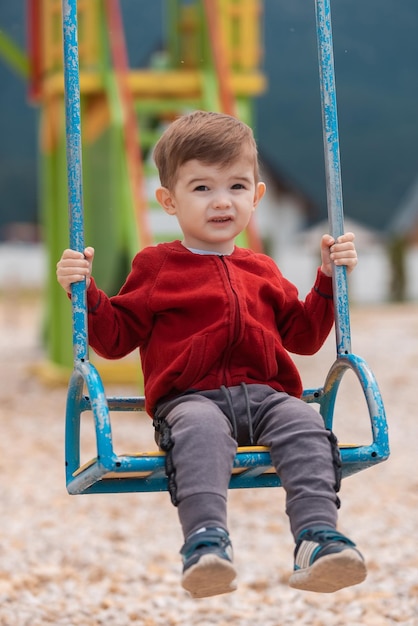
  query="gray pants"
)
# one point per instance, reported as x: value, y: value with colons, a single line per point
x: 201, y: 431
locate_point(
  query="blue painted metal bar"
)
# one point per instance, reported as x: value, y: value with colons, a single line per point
x: 74, y: 170
x: 86, y: 375
x: 372, y: 395
x: 332, y: 167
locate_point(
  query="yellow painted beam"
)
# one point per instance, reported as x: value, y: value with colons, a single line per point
x: 240, y: 25
x: 88, y: 43
x: 151, y: 84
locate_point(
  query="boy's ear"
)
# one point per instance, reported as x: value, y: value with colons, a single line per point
x: 260, y: 190
x: 165, y: 199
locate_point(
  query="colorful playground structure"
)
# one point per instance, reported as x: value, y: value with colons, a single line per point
x: 210, y: 61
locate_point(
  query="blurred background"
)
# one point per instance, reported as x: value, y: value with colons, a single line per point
x: 114, y: 560
x: 142, y: 64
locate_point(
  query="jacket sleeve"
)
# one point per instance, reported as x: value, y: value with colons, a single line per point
x: 305, y: 325
x: 119, y: 324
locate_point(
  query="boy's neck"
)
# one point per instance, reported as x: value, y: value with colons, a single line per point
x: 208, y: 252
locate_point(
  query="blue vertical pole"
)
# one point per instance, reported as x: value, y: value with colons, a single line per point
x: 332, y: 167
x: 74, y: 170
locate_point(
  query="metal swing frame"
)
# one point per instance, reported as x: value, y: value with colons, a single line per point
x: 109, y: 472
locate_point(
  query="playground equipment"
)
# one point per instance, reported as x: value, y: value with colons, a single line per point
x: 124, y: 111
x: 111, y: 472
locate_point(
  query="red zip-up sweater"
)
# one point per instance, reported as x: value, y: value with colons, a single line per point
x: 202, y: 321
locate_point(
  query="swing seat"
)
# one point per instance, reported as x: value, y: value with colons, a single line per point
x: 109, y: 472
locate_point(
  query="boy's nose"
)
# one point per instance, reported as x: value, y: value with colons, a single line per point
x: 222, y: 201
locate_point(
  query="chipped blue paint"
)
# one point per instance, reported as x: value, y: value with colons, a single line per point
x: 326, y: 397
x: 84, y: 376
x: 74, y: 170
x: 332, y: 166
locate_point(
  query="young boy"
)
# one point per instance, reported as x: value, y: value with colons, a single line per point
x: 214, y: 324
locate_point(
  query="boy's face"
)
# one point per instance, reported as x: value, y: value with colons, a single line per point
x: 213, y: 204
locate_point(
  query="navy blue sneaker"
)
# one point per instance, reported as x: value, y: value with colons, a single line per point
x: 326, y: 561
x: 207, y: 563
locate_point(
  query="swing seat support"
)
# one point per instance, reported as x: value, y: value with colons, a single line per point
x: 109, y: 472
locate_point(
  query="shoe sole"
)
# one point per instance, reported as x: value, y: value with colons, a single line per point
x: 210, y: 576
x: 331, y: 573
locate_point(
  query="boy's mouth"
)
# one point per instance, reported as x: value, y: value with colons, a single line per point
x: 220, y: 220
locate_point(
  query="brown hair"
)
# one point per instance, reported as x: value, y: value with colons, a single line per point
x: 213, y: 138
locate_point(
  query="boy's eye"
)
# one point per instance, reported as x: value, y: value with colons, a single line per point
x: 238, y: 186
x: 201, y: 188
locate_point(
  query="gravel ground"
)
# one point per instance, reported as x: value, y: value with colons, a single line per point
x: 113, y: 559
